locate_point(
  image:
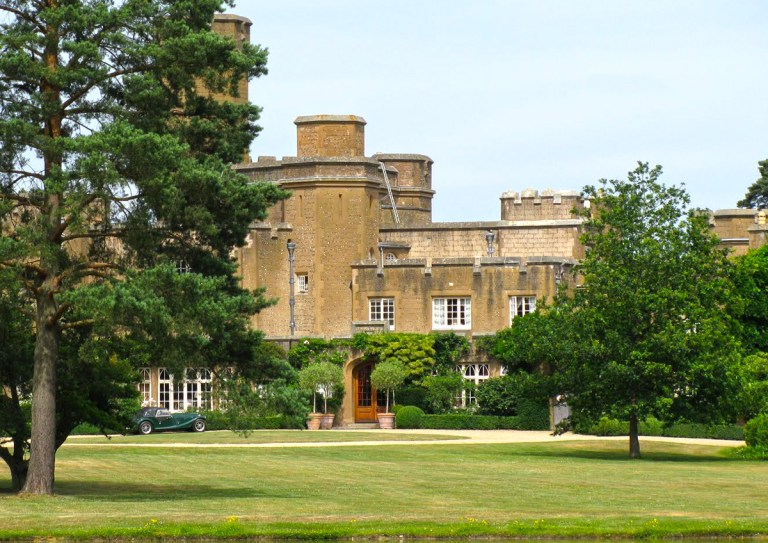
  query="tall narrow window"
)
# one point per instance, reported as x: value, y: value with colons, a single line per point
x: 302, y: 283
x: 197, y: 389
x: 521, y: 305
x: 382, y: 309
x: 165, y: 383
x: 145, y: 386
x: 182, y: 266
x: 451, y: 313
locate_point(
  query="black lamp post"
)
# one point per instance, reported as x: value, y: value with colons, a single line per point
x: 489, y: 237
x: 292, y: 299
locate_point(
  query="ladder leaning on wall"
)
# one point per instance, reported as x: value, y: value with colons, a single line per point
x: 389, y: 191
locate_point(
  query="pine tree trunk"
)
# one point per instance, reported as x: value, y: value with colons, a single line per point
x: 42, y: 460
x: 634, y: 436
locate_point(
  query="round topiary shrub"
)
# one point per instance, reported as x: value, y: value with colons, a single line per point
x: 756, y: 432
x: 409, y: 417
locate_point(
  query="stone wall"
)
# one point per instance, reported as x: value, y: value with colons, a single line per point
x: 468, y: 240
x: 732, y: 227
x: 488, y: 282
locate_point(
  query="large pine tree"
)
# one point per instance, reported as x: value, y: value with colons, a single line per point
x: 115, y: 156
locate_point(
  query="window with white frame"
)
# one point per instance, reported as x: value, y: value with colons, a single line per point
x: 165, y: 386
x: 145, y: 386
x: 192, y: 392
x: 197, y: 389
x: 182, y: 266
x: 474, y: 374
x: 382, y: 309
x: 451, y: 313
x: 302, y: 283
x: 521, y: 305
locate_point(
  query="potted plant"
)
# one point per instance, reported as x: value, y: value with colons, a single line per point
x: 387, y: 376
x: 310, y: 377
x: 324, y: 377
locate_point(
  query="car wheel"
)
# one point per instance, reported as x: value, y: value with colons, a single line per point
x: 198, y: 425
x: 145, y: 427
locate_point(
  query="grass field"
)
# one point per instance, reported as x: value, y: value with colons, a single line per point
x: 563, y: 489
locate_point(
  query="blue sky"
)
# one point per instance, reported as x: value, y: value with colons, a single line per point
x: 510, y: 95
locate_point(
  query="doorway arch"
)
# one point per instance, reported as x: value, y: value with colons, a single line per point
x: 368, y: 402
x: 364, y: 393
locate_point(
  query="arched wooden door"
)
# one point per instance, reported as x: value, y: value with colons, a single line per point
x: 365, y: 395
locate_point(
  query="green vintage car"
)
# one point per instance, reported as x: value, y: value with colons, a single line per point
x: 158, y: 419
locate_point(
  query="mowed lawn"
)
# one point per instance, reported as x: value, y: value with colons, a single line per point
x: 564, y: 488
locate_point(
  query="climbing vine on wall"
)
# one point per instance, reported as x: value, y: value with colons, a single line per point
x: 422, y: 354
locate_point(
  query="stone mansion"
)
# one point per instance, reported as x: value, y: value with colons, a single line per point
x: 354, y: 248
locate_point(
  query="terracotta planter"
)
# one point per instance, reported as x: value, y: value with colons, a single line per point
x: 314, y: 420
x: 326, y: 423
x: 386, y: 421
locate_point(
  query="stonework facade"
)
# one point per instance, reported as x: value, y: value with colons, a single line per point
x: 368, y: 257
x: 363, y: 232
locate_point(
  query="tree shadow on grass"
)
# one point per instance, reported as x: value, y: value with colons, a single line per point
x: 619, y: 451
x: 137, y: 492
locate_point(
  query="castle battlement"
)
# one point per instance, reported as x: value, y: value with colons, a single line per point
x: 548, y: 204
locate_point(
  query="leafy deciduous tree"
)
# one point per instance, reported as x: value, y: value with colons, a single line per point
x: 649, y: 334
x: 531, y: 343
x: 387, y: 376
x: 750, y: 275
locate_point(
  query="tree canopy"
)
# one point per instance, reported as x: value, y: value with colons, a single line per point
x: 116, y: 154
x: 751, y: 280
x: 647, y: 331
x: 757, y: 194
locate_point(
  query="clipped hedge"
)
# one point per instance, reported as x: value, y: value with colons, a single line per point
x: 478, y: 422
x: 218, y: 420
x: 86, y: 429
x: 653, y: 427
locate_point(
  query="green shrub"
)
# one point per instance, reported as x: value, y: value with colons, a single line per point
x: 397, y: 407
x: 86, y: 429
x: 651, y: 427
x: 409, y: 417
x: 442, y: 391
x: 216, y: 420
x: 610, y: 427
x: 508, y: 395
x: 498, y: 396
x: 412, y: 395
x: 756, y: 432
